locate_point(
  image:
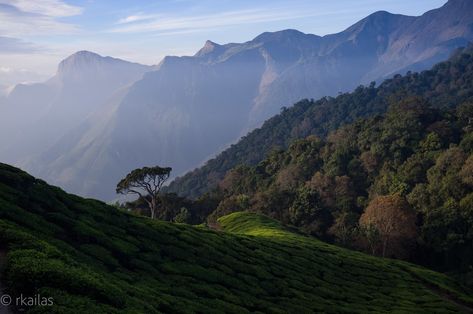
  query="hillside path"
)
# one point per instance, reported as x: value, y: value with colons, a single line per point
x: 445, y: 295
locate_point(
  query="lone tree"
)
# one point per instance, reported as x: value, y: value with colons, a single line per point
x: 145, y: 182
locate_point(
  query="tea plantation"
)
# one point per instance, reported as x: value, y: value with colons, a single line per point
x: 92, y: 258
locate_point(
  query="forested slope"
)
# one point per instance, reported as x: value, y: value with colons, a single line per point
x: 411, y: 167
x: 445, y: 85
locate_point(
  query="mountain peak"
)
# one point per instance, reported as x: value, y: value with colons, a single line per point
x: 208, y: 48
x: 83, y: 60
x: 380, y: 14
x: 210, y: 43
x: 286, y: 33
x: 86, y: 53
x: 381, y: 17
x: 379, y: 22
x: 83, y: 55
x: 79, y: 59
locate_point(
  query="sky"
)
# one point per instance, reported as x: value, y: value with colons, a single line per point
x: 35, y: 35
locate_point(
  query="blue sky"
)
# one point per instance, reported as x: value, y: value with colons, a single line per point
x: 37, y: 34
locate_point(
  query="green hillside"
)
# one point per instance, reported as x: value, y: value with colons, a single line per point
x: 92, y: 258
x: 415, y: 155
x: 320, y: 165
x: 446, y: 85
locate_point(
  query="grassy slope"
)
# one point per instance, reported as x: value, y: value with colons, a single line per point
x: 92, y: 258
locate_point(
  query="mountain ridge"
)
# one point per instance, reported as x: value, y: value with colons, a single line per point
x: 189, y: 108
x: 309, y: 117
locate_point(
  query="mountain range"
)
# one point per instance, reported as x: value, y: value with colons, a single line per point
x: 100, y: 117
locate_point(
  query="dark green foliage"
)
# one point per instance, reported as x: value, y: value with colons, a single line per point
x: 92, y: 258
x: 446, y: 85
x: 414, y: 151
x: 183, y: 216
x: 307, y: 210
x: 138, y: 178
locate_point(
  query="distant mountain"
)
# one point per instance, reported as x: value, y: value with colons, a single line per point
x: 446, y: 85
x: 377, y: 47
x: 189, y: 108
x: 34, y: 116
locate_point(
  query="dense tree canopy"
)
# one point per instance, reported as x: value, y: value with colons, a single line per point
x: 408, y: 173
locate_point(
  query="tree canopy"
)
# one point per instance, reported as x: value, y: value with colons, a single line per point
x: 394, y: 221
x: 145, y: 182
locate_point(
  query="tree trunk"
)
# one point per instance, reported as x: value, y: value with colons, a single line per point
x: 153, y: 208
x: 385, y: 244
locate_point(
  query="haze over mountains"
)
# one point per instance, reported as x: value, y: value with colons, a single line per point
x: 98, y: 118
x: 36, y: 116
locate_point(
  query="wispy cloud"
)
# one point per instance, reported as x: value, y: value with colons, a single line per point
x: 162, y: 24
x: 53, y: 8
x: 139, y: 17
x: 22, y: 17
